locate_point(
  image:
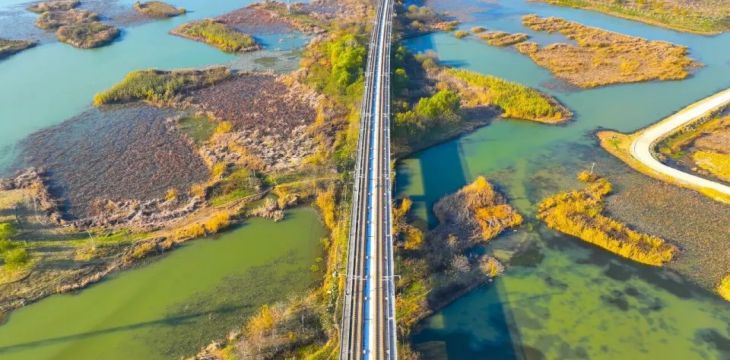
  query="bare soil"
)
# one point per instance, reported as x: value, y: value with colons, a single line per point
x: 116, y: 154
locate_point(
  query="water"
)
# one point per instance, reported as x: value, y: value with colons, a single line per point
x: 566, y: 299
x: 173, y: 306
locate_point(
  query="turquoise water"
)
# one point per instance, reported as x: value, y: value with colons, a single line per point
x: 172, y: 307
x: 567, y: 299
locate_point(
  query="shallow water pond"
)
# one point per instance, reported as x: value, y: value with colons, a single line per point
x: 174, y: 305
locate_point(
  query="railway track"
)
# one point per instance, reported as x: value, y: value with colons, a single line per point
x: 368, y: 321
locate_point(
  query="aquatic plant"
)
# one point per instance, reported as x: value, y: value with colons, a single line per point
x: 219, y: 35
x: 501, y: 38
x: 580, y: 214
x: 159, y: 86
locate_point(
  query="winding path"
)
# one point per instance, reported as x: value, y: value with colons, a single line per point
x: 642, y: 147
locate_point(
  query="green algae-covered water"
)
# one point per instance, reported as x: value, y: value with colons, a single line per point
x: 174, y: 305
x: 560, y: 298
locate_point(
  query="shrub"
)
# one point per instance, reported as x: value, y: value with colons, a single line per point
x: 7, y: 230
x: 16, y: 257
x: 724, y: 288
x: 190, y: 231
x: 326, y: 201
x: 461, y: 34
x: 158, y: 9
x: 218, y: 222
x: 171, y: 194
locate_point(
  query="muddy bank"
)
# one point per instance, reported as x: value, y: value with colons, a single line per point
x: 117, y: 154
x: 269, y: 117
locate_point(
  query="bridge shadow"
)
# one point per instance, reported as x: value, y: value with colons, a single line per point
x: 169, y: 321
x: 442, y: 170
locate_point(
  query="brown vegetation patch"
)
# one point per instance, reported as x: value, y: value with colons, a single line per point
x: 268, y: 117
x: 119, y: 154
x: 256, y: 19
x: 52, y: 20
x: 53, y: 5
x: 602, y: 57
x: 501, y: 38
x: 158, y: 9
x: 10, y: 47
x: 87, y: 35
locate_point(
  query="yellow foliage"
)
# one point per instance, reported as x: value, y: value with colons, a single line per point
x: 218, y: 222
x: 413, y: 238
x: 724, y: 288
x: 218, y: 170
x: 326, y: 201
x: 190, y: 231
x: 579, y: 214
x: 171, y: 194
x: 261, y: 322
x: 717, y: 164
x: 224, y: 127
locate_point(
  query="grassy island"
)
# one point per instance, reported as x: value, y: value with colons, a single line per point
x: 516, y: 100
x: 501, y: 38
x: 435, y: 103
x: 87, y: 35
x: 702, y: 17
x: 435, y: 267
x: 580, y: 214
x: 602, y: 57
x: 158, y: 9
x: 219, y: 35
x: 159, y: 86
x: 10, y: 47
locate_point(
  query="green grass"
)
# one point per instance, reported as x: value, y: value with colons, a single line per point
x: 198, y: 128
x: 159, y: 86
x: 219, y: 35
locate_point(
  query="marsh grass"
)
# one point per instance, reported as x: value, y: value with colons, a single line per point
x: 218, y: 35
x: 602, y: 57
x: 158, y: 9
x: 516, y: 100
x: 159, y: 86
x: 580, y: 214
